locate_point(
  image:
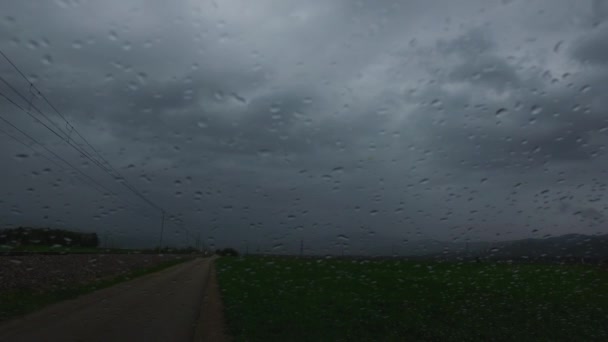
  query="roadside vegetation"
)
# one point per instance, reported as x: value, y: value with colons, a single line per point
x: 41, y: 266
x: 28, y: 236
x: 42, y: 249
x: 306, y: 299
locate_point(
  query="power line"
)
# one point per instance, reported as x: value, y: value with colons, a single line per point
x: 77, y: 148
x: 25, y: 111
x: 30, y: 104
x: 30, y: 114
x: 71, y: 128
x: 89, y: 179
x: 56, y: 155
x: 67, y: 135
x: 30, y: 147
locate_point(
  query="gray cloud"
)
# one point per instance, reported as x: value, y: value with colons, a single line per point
x: 279, y: 122
x: 593, y: 47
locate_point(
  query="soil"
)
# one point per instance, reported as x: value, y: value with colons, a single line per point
x: 49, y: 272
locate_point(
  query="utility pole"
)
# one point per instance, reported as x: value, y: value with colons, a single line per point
x: 162, y: 228
x: 198, y: 241
x: 186, y: 237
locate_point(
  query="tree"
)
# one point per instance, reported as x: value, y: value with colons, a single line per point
x: 227, y: 252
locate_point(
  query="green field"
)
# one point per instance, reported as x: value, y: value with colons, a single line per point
x: 291, y: 299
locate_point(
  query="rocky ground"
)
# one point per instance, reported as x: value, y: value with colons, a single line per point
x: 49, y: 272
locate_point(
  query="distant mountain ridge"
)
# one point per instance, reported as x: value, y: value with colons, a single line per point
x: 571, y: 246
x: 564, y: 246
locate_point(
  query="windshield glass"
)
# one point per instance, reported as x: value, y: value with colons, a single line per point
x: 469, y: 132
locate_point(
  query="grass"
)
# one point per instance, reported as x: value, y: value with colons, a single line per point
x: 20, y: 302
x: 290, y: 299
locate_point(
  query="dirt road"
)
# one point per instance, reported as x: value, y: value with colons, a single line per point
x: 163, y: 306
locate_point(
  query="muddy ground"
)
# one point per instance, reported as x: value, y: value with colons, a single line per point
x: 50, y: 272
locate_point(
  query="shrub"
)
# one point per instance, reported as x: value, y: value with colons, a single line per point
x: 227, y: 252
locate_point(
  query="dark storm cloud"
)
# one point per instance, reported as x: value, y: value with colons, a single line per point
x: 529, y: 121
x: 593, y: 48
x: 277, y: 122
x: 473, y: 43
x: 486, y: 70
x: 599, y: 12
x: 221, y: 121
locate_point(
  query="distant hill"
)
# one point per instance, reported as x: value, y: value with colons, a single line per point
x: 570, y: 246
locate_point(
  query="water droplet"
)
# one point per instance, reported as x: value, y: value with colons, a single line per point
x: 436, y: 103
x: 47, y: 60
x: 275, y: 108
x: 77, y: 44
x: 142, y: 77
x: 585, y: 88
x: 501, y: 111
x: 9, y: 20
x: 239, y: 98
x: 557, y: 46
x: 535, y: 110
x: 343, y: 237
x: 113, y: 36
x: 264, y: 153
x: 202, y: 124
x: 33, y: 45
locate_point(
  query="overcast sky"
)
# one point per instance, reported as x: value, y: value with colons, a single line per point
x: 286, y: 120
